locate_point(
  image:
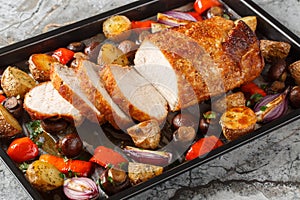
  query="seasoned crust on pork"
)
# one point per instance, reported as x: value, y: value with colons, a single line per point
x: 201, y: 59
x: 67, y: 84
x: 93, y: 87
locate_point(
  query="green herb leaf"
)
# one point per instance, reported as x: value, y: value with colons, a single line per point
x: 210, y: 115
x: 256, y: 97
x: 39, y: 144
x: 34, y: 128
x: 23, y: 167
x: 62, y: 175
x: 110, y: 179
x: 263, y: 108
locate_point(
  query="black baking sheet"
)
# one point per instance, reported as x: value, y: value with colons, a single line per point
x: 267, y: 26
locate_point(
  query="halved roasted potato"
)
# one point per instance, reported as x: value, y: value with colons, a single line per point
x: 117, y: 28
x: 110, y: 54
x: 16, y: 82
x: 9, y: 126
x: 274, y: 49
x: 40, y: 66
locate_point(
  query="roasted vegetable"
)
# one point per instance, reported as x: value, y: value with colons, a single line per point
x: 114, y: 180
x: 203, y: 146
x: 171, y: 19
x: 294, y: 96
x: 139, y: 172
x: 16, y: 82
x: 202, y: 5
x: 252, y: 88
x: 44, y: 176
x: 184, y: 134
x: 229, y: 101
x: 105, y: 157
x: 40, y: 66
x: 185, y: 119
x: 54, y: 125
x: 70, y: 145
x: 272, y: 107
x: 272, y: 50
x: 139, y: 26
x: 68, y: 167
x: 294, y: 68
x: 14, y: 106
x: 146, y: 134
x: 237, y: 121
x: 160, y: 158
x: 277, y: 70
x: 63, y: 55
x: 22, y: 149
x: 110, y: 54
x: 214, y: 11
x: 76, y: 46
x: 210, y: 122
x: 9, y: 126
x: 81, y: 188
x: 156, y: 27
x: 251, y: 21
x: 117, y: 28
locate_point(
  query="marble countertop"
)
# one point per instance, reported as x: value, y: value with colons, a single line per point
x: 268, y: 168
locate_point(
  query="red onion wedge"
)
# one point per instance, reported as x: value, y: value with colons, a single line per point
x: 80, y: 188
x: 271, y: 107
x: 159, y: 158
x: 175, y: 18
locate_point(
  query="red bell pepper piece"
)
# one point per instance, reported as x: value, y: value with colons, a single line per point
x: 203, y: 146
x: 201, y: 6
x: 105, y: 156
x: 78, y: 167
x: 139, y: 26
x: 22, y: 149
x: 63, y: 55
x: 251, y: 88
x: 2, y: 98
x: 196, y: 15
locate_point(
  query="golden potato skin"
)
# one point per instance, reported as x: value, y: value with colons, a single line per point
x: 40, y: 66
x: 9, y: 126
x: 117, y: 28
x: 110, y: 54
x: 16, y: 82
x: 251, y: 21
x: 44, y: 176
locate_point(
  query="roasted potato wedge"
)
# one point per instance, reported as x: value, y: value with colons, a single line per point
x: 231, y: 100
x: 294, y: 69
x: 139, y: 172
x: 110, y: 54
x: 117, y: 28
x: 16, y: 82
x: 44, y: 176
x: 274, y: 50
x: 251, y: 21
x: 156, y: 27
x: 9, y: 126
x: 40, y: 66
x: 237, y: 121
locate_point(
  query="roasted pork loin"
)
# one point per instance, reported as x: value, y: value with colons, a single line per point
x: 43, y: 101
x: 66, y: 82
x: 91, y: 84
x: 134, y: 94
x: 191, y: 63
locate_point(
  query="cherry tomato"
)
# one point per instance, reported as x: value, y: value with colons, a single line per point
x: 22, y: 149
x: 201, y: 6
x: 139, y: 26
x: 63, y: 55
x: 105, y: 156
x: 203, y: 146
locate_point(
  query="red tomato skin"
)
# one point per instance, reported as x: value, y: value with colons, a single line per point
x: 22, y: 149
x: 201, y: 6
x: 2, y: 98
x: 63, y: 55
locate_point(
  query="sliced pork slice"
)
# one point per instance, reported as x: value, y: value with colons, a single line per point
x: 87, y: 72
x: 66, y: 82
x: 134, y: 94
x: 43, y: 101
x: 191, y: 63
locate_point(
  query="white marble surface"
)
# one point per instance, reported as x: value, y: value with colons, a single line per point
x: 268, y: 168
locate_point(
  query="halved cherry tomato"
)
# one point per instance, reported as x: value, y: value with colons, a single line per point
x: 251, y: 88
x: 201, y: 6
x: 105, y: 156
x: 2, y: 98
x: 203, y: 146
x: 22, y: 149
x: 63, y: 55
x: 78, y: 167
